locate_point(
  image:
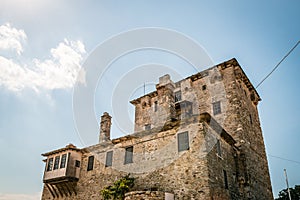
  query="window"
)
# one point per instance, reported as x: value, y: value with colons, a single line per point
x: 90, y: 163
x: 50, y: 163
x: 250, y: 119
x: 219, y: 152
x: 63, y: 161
x: 183, y: 141
x: 128, y: 155
x: 56, y: 162
x: 178, y: 96
x: 77, y: 163
x: 147, y: 127
x: 109, y: 156
x: 186, y: 109
x: 217, y: 107
x: 225, y: 179
x: 203, y: 87
x: 155, y: 106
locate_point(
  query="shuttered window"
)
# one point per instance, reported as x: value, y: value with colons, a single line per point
x: 128, y: 155
x: 217, y: 107
x: 183, y: 141
x: 109, y: 156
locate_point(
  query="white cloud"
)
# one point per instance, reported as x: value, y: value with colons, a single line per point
x: 36, y: 196
x: 59, y: 71
x: 11, y: 38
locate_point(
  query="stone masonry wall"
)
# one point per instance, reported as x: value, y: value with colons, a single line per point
x: 197, y: 173
x: 145, y: 195
x: 157, y: 164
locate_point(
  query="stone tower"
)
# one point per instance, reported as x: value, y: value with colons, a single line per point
x: 198, y: 138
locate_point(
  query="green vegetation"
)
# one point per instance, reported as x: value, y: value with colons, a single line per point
x: 118, y: 189
x: 295, y: 193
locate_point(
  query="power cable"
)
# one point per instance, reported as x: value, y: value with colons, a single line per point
x: 294, y: 161
x: 278, y: 64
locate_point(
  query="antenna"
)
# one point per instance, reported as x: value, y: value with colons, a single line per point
x: 287, y: 184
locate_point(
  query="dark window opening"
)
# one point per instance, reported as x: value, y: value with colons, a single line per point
x: 219, y: 151
x: 90, y: 163
x: 177, y: 96
x: 217, y: 107
x: 183, y: 141
x: 77, y: 163
x: 109, y: 156
x: 56, y: 162
x: 147, y: 127
x: 225, y: 179
x: 250, y: 118
x: 63, y: 161
x: 203, y: 87
x: 50, y: 163
x: 155, y: 106
x: 128, y: 155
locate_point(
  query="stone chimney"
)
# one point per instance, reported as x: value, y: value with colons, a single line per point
x: 105, y: 125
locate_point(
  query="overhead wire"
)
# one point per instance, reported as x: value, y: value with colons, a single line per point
x: 292, y: 49
x: 281, y: 158
x: 276, y: 66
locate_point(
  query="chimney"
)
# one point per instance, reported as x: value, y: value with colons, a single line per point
x: 105, y: 125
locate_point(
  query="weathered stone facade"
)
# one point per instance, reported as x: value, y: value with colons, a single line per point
x: 199, y: 138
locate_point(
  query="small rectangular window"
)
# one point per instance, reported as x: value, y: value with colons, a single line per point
x: 90, y: 163
x: 155, y: 106
x: 183, y: 141
x: 177, y: 96
x: 225, y: 179
x: 147, y: 127
x: 217, y: 107
x: 203, y: 87
x: 50, y: 163
x: 219, y: 151
x: 63, y: 161
x: 109, y: 156
x: 56, y: 162
x: 77, y: 163
x: 128, y: 155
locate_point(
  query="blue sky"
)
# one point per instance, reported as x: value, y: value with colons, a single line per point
x: 44, y: 43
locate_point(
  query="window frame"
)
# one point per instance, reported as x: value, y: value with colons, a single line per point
x: 128, y: 155
x: 90, y: 165
x: 49, y: 164
x: 63, y: 161
x: 183, y: 142
x: 77, y: 163
x: 109, y: 158
x: 217, y: 107
x: 56, y: 162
